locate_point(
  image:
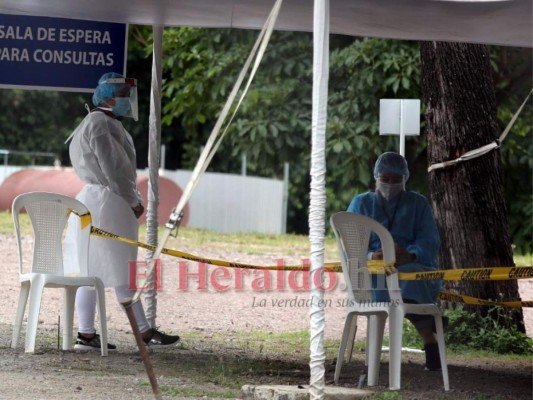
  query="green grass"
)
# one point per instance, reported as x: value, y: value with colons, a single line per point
x: 386, y: 396
x: 293, y: 345
x: 218, y: 365
x: 6, y: 224
x: 279, y: 246
x: 255, y: 244
x: 196, y: 392
x: 226, y: 363
x: 250, y: 243
x: 523, y: 261
x: 229, y: 361
x: 252, y: 356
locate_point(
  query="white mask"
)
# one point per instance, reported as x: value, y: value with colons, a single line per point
x: 390, y: 190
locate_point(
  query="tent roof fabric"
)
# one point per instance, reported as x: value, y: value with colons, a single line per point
x: 498, y: 22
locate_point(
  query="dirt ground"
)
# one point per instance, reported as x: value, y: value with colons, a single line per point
x: 212, y: 325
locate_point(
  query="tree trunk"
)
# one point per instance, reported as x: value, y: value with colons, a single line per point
x: 468, y: 198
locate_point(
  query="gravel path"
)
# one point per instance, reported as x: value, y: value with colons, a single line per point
x: 51, y: 374
x: 192, y: 308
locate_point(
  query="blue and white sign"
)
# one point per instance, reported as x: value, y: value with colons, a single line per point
x: 59, y: 54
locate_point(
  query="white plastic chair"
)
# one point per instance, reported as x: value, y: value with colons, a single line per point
x: 352, y: 232
x: 49, y: 213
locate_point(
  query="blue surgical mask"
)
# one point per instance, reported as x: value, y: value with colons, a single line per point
x: 389, y: 190
x: 122, y: 106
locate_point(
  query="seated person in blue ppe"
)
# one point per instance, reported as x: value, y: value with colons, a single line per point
x: 102, y: 153
x: 408, y: 217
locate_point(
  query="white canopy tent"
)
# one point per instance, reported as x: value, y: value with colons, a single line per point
x: 501, y: 22
x: 506, y: 22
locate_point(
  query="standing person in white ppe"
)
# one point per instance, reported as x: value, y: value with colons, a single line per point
x: 103, y: 155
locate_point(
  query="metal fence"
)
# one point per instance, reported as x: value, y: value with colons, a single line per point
x: 234, y: 203
x: 225, y: 202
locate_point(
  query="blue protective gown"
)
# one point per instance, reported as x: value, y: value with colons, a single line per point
x: 409, y: 219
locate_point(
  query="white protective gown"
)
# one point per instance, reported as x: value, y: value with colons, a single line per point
x: 103, y: 155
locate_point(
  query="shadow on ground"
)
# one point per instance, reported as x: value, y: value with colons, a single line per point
x: 205, y: 366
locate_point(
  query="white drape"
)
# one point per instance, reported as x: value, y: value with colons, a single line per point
x: 317, y: 214
x: 506, y: 23
x: 154, y: 145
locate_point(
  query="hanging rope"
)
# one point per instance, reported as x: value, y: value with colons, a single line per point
x: 469, y: 155
x: 213, y: 141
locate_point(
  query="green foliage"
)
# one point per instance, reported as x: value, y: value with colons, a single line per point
x: 410, y: 336
x: 200, y: 69
x: 516, y: 153
x: 470, y: 330
x: 273, y: 125
x: 360, y: 74
x: 38, y: 121
x: 513, y: 81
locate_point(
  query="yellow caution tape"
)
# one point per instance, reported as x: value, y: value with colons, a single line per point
x: 468, y: 274
x: 374, y: 266
x: 191, y: 257
x: 471, y: 274
x: 460, y: 298
x: 85, y: 219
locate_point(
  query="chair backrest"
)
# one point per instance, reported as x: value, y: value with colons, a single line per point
x: 49, y: 213
x: 353, y: 232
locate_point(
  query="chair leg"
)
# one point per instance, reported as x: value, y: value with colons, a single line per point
x: 68, y: 315
x: 36, y: 292
x: 395, y: 349
x: 21, y: 307
x: 100, y: 298
x: 376, y: 326
x: 351, y: 338
x: 342, y: 348
x: 442, y: 352
x: 367, y: 344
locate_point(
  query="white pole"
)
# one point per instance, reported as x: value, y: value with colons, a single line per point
x: 285, y: 197
x: 402, y: 133
x: 150, y: 297
x: 244, y: 167
x: 163, y: 153
x: 317, y: 208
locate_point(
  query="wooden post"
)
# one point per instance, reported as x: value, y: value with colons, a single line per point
x: 127, y: 303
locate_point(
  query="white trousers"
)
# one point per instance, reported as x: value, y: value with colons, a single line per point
x: 86, y: 308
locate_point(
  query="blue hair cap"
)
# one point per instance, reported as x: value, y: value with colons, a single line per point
x: 390, y: 162
x: 105, y: 91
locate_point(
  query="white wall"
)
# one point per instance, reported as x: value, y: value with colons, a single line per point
x: 5, y: 171
x: 224, y: 202
x: 233, y: 203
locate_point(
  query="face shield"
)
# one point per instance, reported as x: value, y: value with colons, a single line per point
x: 127, y: 90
